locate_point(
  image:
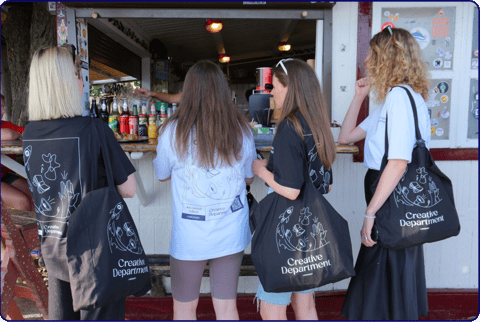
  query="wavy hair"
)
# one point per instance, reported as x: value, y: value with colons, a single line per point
x: 53, y: 85
x: 305, y: 95
x: 396, y: 59
x: 206, y: 106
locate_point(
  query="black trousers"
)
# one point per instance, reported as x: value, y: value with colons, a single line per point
x: 60, y: 305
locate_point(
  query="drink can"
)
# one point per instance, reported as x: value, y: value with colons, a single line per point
x: 113, y: 123
x: 124, y: 124
x: 133, y: 125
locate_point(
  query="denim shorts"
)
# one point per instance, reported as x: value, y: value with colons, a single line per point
x: 277, y: 298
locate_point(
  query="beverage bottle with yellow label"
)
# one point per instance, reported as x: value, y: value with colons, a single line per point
x: 152, y: 122
x: 113, y: 119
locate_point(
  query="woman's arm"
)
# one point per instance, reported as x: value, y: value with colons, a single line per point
x: 349, y: 132
x: 164, y: 97
x: 388, y: 181
x: 249, y: 181
x: 128, y: 188
x: 9, y: 134
x: 260, y: 169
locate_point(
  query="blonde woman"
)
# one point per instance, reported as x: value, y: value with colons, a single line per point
x: 63, y: 163
x: 389, y: 284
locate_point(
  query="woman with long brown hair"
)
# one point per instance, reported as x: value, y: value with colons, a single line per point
x: 206, y: 148
x: 388, y: 284
x: 303, y: 126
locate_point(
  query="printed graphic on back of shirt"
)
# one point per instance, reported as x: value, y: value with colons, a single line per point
x: 209, y: 194
x: 58, y: 186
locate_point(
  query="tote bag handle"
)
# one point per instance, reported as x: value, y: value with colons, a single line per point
x: 418, y: 136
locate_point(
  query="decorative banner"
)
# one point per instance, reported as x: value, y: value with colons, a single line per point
x: 62, y: 30
x: 82, y: 42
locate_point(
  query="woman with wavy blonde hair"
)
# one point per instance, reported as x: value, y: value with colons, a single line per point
x: 389, y: 284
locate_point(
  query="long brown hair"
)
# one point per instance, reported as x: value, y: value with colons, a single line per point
x: 206, y: 106
x: 396, y: 59
x: 304, y: 95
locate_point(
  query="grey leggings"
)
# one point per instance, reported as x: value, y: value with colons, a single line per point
x: 186, y: 277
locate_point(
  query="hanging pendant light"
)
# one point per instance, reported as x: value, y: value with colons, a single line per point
x: 224, y: 59
x: 213, y: 25
x: 283, y: 46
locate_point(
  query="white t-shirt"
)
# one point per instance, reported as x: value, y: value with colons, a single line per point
x: 209, y: 206
x: 401, y: 128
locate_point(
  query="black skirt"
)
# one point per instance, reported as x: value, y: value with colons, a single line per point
x: 389, y: 284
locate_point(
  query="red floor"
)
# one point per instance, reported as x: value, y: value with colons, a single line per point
x: 444, y: 304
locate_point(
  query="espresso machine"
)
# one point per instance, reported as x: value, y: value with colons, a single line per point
x: 259, y: 101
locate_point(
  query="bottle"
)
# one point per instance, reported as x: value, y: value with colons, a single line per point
x: 94, y: 110
x: 104, y: 112
x: 174, y: 107
x: 142, y: 121
x: 124, y: 118
x: 133, y: 122
x: 113, y: 119
x: 152, y: 122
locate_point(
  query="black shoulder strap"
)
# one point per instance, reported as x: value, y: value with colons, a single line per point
x: 415, y: 118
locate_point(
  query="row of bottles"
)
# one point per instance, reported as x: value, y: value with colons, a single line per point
x: 131, y: 124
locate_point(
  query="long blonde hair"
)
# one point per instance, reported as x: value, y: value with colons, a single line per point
x: 396, y: 59
x: 304, y: 95
x: 53, y: 86
x: 206, y: 106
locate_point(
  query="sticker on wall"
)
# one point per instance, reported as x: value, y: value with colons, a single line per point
x: 445, y: 114
x: 422, y: 36
x: 394, y: 17
x: 447, y: 42
x: 444, y: 98
x: 447, y: 64
x: 441, y: 12
x: 443, y: 87
x: 439, y: 131
x: 436, y: 90
x: 475, y: 53
x: 476, y: 96
x: 475, y: 112
x: 434, y: 42
x: 434, y: 122
x: 440, y: 27
x: 474, y: 62
x: 388, y: 24
x: 386, y: 13
x: 438, y: 62
x: 429, y: 113
x: 432, y: 130
x: 447, y: 55
x: 440, y: 51
x: 433, y: 103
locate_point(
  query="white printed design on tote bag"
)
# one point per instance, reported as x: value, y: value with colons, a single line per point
x: 124, y: 238
x: 416, y: 193
x: 292, y: 236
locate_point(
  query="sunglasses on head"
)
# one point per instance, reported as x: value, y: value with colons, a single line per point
x: 73, y: 51
x: 283, y: 66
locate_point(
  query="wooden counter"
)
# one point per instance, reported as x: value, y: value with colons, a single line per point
x: 15, y: 147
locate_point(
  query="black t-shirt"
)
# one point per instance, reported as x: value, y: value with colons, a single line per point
x: 290, y: 154
x: 63, y: 163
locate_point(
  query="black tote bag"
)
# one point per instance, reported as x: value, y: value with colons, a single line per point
x: 421, y: 209
x: 106, y: 260
x: 300, y: 244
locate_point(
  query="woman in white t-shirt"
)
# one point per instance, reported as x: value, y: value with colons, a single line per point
x: 389, y: 284
x: 206, y: 148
